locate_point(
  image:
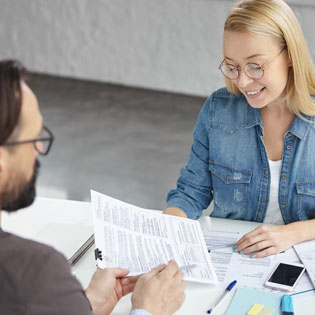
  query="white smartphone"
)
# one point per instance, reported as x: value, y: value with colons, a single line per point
x: 285, y: 276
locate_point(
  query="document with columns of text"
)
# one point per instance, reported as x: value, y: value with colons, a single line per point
x: 249, y: 272
x: 139, y: 239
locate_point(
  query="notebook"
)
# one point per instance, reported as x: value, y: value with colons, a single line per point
x: 244, y: 298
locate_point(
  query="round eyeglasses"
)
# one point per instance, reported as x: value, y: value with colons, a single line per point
x: 252, y: 70
x: 42, y: 143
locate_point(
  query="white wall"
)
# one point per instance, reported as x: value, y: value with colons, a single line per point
x: 170, y: 45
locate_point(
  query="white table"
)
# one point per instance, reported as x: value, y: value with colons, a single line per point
x: 30, y: 222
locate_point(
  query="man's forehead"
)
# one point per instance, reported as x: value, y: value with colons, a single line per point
x: 30, y: 117
x: 30, y: 108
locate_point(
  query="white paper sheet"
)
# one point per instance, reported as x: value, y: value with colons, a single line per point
x: 220, y: 244
x: 139, y: 240
x: 249, y: 272
x: 306, y: 252
x: 229, y: 266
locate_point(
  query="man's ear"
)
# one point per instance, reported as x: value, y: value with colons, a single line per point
x: 3, y: 160
x: 2, y: 180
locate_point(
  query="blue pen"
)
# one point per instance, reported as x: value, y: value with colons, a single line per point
x: 221, y: 298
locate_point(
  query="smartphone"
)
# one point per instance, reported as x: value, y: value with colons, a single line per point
x: 285, y: 276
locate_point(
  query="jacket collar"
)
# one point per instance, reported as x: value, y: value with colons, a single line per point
x: 299, y: 126
x: 253, y: 116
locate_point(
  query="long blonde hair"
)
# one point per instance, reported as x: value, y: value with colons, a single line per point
x: 275, y: 18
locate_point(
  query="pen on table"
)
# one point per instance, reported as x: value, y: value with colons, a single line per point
x: 287, y: 305
x: 185, y: 267
x: 220, y: 247
x: 221, y: 298
x: 301, y: 292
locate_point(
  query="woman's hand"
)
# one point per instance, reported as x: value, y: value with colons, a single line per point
x: 267, y: 240
x: 175, y: 211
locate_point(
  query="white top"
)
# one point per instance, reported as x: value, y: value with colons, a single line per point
x: 273, y: 213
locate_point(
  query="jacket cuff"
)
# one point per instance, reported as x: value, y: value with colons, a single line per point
x: 184, y: 205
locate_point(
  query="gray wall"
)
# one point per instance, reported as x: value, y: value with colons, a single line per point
x: 170, y: 45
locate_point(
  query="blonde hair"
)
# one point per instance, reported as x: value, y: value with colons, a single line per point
x: 275, y: 18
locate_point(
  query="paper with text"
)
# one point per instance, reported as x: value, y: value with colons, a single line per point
x: 306, y: 252
x: 139, y: 239
x: 249, y: 272
x: 229, y: 266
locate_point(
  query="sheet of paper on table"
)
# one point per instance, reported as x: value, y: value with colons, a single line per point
x: 306, y: 252
x: 249, y: 272
x: 130, y: 237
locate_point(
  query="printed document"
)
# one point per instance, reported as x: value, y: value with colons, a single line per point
x: 306, y: 252
x: 249, y: 272
x: 138, y: 239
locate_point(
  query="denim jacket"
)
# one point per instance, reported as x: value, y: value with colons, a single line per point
x: 228, y: 164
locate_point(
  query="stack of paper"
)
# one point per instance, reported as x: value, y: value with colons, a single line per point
x: 139, y: 240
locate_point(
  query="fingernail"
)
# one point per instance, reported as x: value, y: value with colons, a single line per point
x: 252, y: 256
x: 241, y: 252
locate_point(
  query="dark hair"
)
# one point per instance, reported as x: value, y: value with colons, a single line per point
x: 11, y: 74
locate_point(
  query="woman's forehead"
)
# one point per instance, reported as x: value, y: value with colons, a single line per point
x: 246, y: 44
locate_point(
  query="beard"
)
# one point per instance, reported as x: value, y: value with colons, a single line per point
x: 23, y: 194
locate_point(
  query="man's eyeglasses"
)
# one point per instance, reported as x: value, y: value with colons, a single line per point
x: 252, y: 70
x: 42, y: 143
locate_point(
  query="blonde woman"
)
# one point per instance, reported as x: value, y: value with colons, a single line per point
x: 254, y: 141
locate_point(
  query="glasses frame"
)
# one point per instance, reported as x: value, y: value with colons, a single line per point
x: 49, y: 139
x: 262, y: 66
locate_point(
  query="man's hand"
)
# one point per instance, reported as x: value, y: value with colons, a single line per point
x: 160, y: 291
x: 266, y: 240
x: 106, y: 288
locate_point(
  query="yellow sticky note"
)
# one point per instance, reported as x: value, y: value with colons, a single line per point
x: 255, y: 309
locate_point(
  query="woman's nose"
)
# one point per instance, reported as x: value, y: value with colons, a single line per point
x: 244, y: 80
